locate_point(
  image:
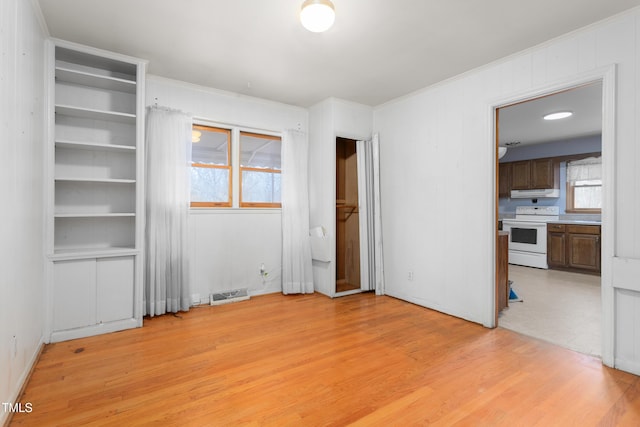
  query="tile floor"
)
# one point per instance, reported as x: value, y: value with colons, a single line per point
x: 559, y: 307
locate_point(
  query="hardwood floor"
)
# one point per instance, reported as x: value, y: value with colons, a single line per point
x: 310, y: 360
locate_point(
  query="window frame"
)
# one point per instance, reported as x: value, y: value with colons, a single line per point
x: 570, y: 195
x: 570, y: 203
x: 241, y: 169
x: 228, y: 167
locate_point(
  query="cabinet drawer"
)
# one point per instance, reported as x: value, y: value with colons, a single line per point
x: 556, y: 227
x: 583, y: 229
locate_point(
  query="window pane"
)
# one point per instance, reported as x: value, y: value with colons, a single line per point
x: 212, y: 147
x: 209, y: 185
x: 259, y: 151
x: 260, y: 187
x: 587, y: 197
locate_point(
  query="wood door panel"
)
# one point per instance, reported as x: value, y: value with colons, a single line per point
x: 584, y: 251
x: 520, y: 175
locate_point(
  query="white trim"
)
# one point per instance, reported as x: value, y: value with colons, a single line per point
x: 234, y: 211
x: 99, y: 52
x: 608, y: 77
x: 631, y: 366
x: 37, y: 10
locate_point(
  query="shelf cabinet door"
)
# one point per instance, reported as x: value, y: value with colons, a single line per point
x: 74, y: 294
x: 114, y: 288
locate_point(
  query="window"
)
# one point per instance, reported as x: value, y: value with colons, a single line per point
x: 234, y: 168
x: 584, y: 185
x: 259, y: 170
x: 210, y: 167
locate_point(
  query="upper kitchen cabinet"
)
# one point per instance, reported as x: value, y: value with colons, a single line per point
x: 535, y: 174
x: 504, y: 179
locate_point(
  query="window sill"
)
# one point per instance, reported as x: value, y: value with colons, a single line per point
x: 234, y: 211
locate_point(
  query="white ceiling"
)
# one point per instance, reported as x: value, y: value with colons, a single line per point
x: 376, y: 51
x: 524, y: 123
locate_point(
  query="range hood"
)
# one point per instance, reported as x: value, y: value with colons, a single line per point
x: 535, y: 194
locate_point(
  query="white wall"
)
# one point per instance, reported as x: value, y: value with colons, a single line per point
x: 228, y: 246
x: 21, y: 177
x: 329, y: 119
x: 437, y: 144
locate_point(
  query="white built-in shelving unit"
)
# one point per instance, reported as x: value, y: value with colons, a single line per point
x: 96, y: 206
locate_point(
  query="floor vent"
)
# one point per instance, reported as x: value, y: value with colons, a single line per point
x: 226, y: 297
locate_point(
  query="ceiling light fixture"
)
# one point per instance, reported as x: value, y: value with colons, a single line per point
x: 317, y: 15
x: 559, y: 115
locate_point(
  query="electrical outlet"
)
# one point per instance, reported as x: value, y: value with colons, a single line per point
x: 410, y: 276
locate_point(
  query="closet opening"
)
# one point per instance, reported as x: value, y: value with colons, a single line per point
x: 347, y: 217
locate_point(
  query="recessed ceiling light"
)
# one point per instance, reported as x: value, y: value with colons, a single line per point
x: 559, y: 115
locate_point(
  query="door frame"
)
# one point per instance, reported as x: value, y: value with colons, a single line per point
x: 334, y: 293
x: 607, y: 75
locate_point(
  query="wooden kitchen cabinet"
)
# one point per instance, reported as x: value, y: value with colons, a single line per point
x: 504, y: 180
x: 583, y: 244
x: 535, y: 174
x: 556, y: 245
x: 574, y: 247
x: 502, y: 268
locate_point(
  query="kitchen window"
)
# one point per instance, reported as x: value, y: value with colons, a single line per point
x: 210, y: 167
x: 584, y: 185
x: 260, y: 168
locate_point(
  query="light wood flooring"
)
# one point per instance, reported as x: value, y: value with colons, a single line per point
x: 361, y: 360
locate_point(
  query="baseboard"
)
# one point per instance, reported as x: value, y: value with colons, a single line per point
x: 5, y: 417
x: 631, y: 366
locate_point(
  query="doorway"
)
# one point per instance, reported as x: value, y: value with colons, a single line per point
x: 563, y: 307
x: 347, y: 217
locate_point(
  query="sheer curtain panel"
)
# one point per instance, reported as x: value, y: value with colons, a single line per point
x: 168, y: 156
x: 297, y: 276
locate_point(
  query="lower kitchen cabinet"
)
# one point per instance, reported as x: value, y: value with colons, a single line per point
x: 92, y: 294
x: 574, y: 247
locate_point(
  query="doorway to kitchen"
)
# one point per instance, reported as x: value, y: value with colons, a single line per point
x: 555, y: 286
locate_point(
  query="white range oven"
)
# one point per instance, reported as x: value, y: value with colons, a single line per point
x: 528, y: 235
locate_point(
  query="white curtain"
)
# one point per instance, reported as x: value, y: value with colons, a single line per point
x: 168, y: 156
x: 297, y: 276
x: 372, y: 271
x: 585, y: 170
